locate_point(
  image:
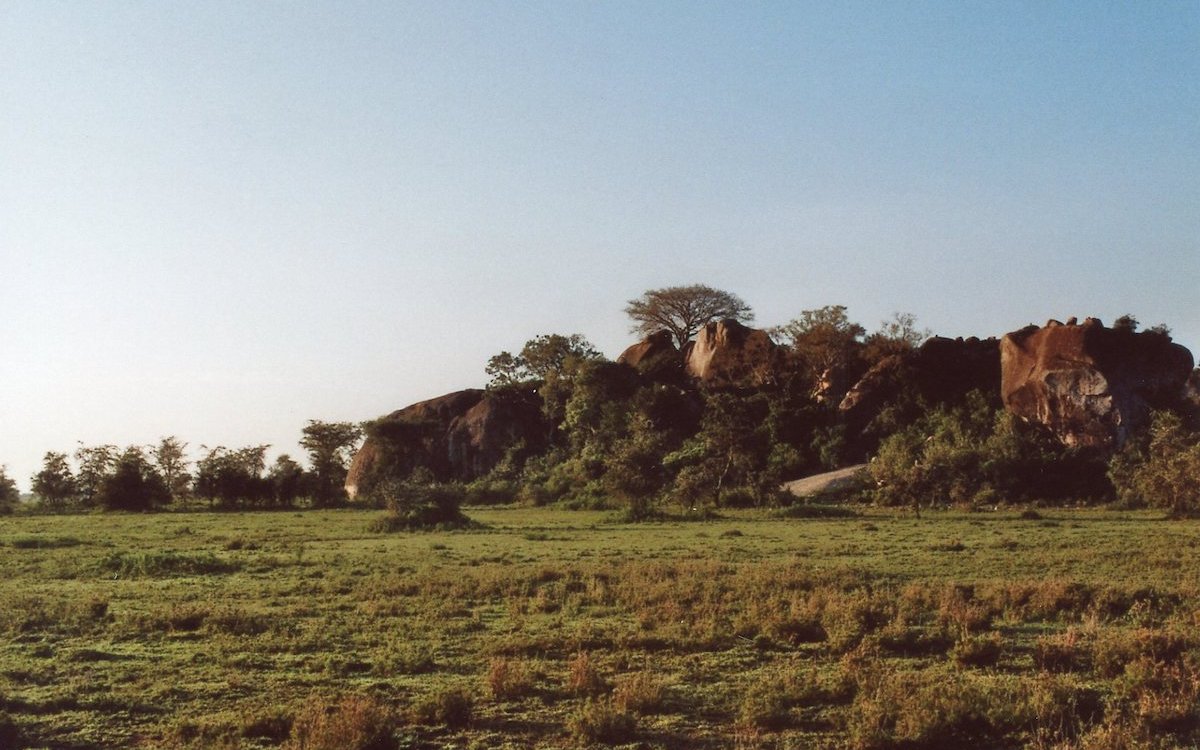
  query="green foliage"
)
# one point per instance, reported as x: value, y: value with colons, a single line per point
x: 418, y: 503
x: 171, y: 463
x: 233, y: 478
x: 543, y: 359
x: 330, y: 447
x: 602, y: 720
x: 55, y: 485
x: 684, y: 310
x: 1162, y: 470
x: 134, y: 484
x: 96, y: 463
x: 976, y: 454
x: 9, y: 495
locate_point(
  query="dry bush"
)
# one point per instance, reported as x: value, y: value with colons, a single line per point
x: 602, y: 720
x: 1064, y: 652
x: 452, y: 707
x: 355, y: 722
x: 641, y: 692
x: 508, y: 679
x: 978, y: 651
x: 584, y: 678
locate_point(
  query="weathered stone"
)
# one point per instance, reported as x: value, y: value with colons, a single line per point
x: 461, y: 435
x: 940, y: 371
x: 728, y: 353
x: 661, y: 344
x: 1090, y: 385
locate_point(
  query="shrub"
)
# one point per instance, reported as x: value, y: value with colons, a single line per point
x: 584, y: 678
x: 163, y: 564
x: 978, y: 651
x: 354, y: 722
x: 1059, y: 653
x: 509, y: 678
x: 765, y: 705
x: 415, y: 504
x: 641, y: 692
x: 602, y: 720
x: 451, y: 707
x: 1164, y: 471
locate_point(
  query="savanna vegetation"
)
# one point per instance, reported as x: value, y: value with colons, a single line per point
x: 629, y: 574
x: 539, y: 628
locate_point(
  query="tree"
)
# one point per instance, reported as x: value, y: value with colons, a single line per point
x: 543, y: 358
x: 134, y: 484
x: 9, y: 495
x: 55, y: 485
x: 95, y: 464
x: 171, y: 463
x: 330, y: 447
x: 233, y: 477
x: 895, y: 336
x: 684, y: 310
x: 1166, y: 472
x: 287, y: 479
x: 828, y: 347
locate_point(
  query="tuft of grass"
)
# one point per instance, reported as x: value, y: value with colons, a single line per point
x: 978, y: 651
x: 44, y: 542
x: 641, y: 693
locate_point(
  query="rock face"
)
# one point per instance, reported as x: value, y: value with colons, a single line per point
x: 461, y: 435
x: 729, y: 353
x: 1091, y: 385
x: 941, y: 370
x: 653, y: 347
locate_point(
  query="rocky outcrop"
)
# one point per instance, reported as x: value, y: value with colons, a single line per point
x: 727, y: 353
x: 940, y: 371
x: 461, y: 435
x: 1090, y: 385
x: 654, y: 346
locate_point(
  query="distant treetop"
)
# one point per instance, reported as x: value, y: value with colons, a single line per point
x: 684, y: 310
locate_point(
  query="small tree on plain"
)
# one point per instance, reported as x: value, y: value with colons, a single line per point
x: 134, y: 484
x: 330, y: 447
x: 684, y: 310
x: 55, y: 484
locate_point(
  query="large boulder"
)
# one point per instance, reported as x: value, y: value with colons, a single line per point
x: 460, y: 435
x: 939, y: 371
x: 727, y: 353
x: 1090, y: 385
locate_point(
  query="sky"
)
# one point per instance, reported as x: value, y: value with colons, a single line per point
x: 220, y: 220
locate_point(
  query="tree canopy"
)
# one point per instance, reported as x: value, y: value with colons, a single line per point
x: 684, y: 310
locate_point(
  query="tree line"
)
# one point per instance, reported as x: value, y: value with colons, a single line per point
x: 141, y: 478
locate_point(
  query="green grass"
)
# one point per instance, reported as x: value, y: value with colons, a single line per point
x: 550, y: 628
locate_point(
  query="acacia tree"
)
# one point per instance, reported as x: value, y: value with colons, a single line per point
x: 684, y: 310
x: 55, y: 484
x: 330, y: 447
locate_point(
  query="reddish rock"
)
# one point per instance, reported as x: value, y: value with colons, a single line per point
x: 729, y: 353
x: 461, y: 435
x: 940, y: 371
x: 1090, y: 385
x: 654, y: 346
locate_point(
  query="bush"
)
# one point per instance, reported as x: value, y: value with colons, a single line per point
x: 354, y: 722
x: 584, y: 678
x: 1163, y: 471
x: 641, y: 692
x: 415, y: 504
x: 602, y: 720
x: 978, y: 651
x: 508, y: 679
x: 451, y: 707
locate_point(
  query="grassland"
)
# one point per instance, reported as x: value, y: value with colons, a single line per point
x: 545, y: 628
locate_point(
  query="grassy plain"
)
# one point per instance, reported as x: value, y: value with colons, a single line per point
x: 550, y: 628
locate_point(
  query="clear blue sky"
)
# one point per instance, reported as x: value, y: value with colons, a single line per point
x: 220, y: 219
